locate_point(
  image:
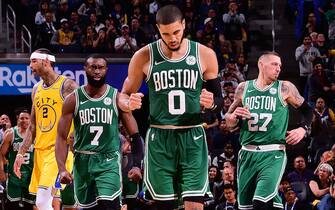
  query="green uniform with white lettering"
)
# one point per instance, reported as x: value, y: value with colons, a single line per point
x: 18, y: 189
x: 176, y: 149
x: 96, y: 169
x: 259, y: 172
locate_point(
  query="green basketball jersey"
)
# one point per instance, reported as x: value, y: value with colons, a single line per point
x: 269, y: 115
x: 28, y: 163
x: 174, y: 86
x: 96, y: 122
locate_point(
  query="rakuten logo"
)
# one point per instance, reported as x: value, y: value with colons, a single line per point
x: 24, y: 80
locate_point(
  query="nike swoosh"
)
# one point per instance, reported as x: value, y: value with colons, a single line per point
x: 157, y: 63
x: 249, y: 91
x: 277, y: 157
x: 82, y: 102
x: 109, y: 159
x: 197, y: 137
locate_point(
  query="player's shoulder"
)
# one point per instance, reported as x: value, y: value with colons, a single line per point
x: 68, y: 87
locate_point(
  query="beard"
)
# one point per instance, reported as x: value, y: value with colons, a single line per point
x: 174, y: 49
x: 96, y: 83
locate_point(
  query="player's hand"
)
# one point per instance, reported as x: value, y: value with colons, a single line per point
x: 3, y: 176
x: 242, y: 113
x: 135, y: 174
x: 65, y: 177
x: 295, y: 136
x: 17, y: 165
x: 135, y: 101
x: 124, y: 207
x: 206, y: 99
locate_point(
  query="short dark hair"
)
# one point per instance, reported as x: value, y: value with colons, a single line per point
x: 95, y: 56
x: 228, y: 186
x: 317, y: 61
x: 169, y: 14
x: 20, y: 110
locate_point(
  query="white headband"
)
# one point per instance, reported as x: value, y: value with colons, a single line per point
x: 37, y: 55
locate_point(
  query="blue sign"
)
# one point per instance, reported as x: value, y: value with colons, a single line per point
x: 17, y: 79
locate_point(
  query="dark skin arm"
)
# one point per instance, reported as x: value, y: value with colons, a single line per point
x: 7, y: 140
x: 28, y: 140
x: 131, y: 127
x: 64, y: 126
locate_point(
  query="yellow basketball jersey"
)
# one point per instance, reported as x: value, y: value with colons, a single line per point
x: 48, y: 103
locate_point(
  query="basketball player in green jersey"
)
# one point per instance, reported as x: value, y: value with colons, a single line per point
x: 262, y: 106
x: 17, y: 189
x: 97, y: 166
x: 176, y: 70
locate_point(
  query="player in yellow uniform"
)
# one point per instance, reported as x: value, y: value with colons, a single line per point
x: 47, y: 96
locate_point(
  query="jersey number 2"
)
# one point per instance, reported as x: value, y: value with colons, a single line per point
x: 98, y: 130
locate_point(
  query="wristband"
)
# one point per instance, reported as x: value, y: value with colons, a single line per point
x: 19, y: 155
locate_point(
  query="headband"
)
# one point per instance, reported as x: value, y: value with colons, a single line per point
x: 36, y: 55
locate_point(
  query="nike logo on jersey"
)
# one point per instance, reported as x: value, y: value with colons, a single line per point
x: 109, y: 159
x: 157, y: 63
x: 82, y: 102
x: 197, y: 137
x: 249, y: 91
x: 277, y: 157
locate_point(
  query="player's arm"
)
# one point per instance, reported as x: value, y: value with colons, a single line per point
x: 64, y: 126
x: 291, y: 96
x: 236, y: 111
x: 129, y: 99
x: 211, y: 97
x: 7, y: 140
x: 29, y: 138
x: 136, y: 141
x: 68, y: 87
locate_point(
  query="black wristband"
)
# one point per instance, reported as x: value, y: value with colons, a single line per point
x: 137, y: 148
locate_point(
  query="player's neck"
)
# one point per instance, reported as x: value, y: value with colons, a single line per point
x: 95, y: 92
x: 49, y: 78
x: 171, y: 54
x: 262, y: 83
x: 21, y: 131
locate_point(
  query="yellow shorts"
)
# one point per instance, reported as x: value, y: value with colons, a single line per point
x: 45, y: 170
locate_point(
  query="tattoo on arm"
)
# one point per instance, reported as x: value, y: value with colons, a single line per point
x: 237, y: 97
x: 68, y: 87
x: 292, y: 95
x: 28, y: 140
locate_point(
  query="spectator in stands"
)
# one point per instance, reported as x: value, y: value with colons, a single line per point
x: 88, y: 7
x: 87, y: 40
x: 43, y: 9
x: 148, y: 29
x: 63, y: 10
x: 320, y: 184
x: 292, y: 202
x: 214, y: 176
x: 5, y: 124
x: 322, y: 46
x: 305, y: 55
x: 312, y: 25
x: 330, y: 15
x: 119, y: 15
x: 233, y: 27
x: 228, y: 154
x: 318, y: 84
x: 63, y: 40
x: 94, y: 22
x: 137, y: 14
x: 231, y: 68
x: 112, y: 32
x: 242, y: 65
x: 218, y: 189
x: 137, y: 32
x: 76, y: 25
x: 46, y: 31
x: 300, y: 172
x: 209, y: 32
x: 300, y: 177
x: 314, y: 38
x: 229, y: 193
x: 125, y: 43
x: 101, y: 44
